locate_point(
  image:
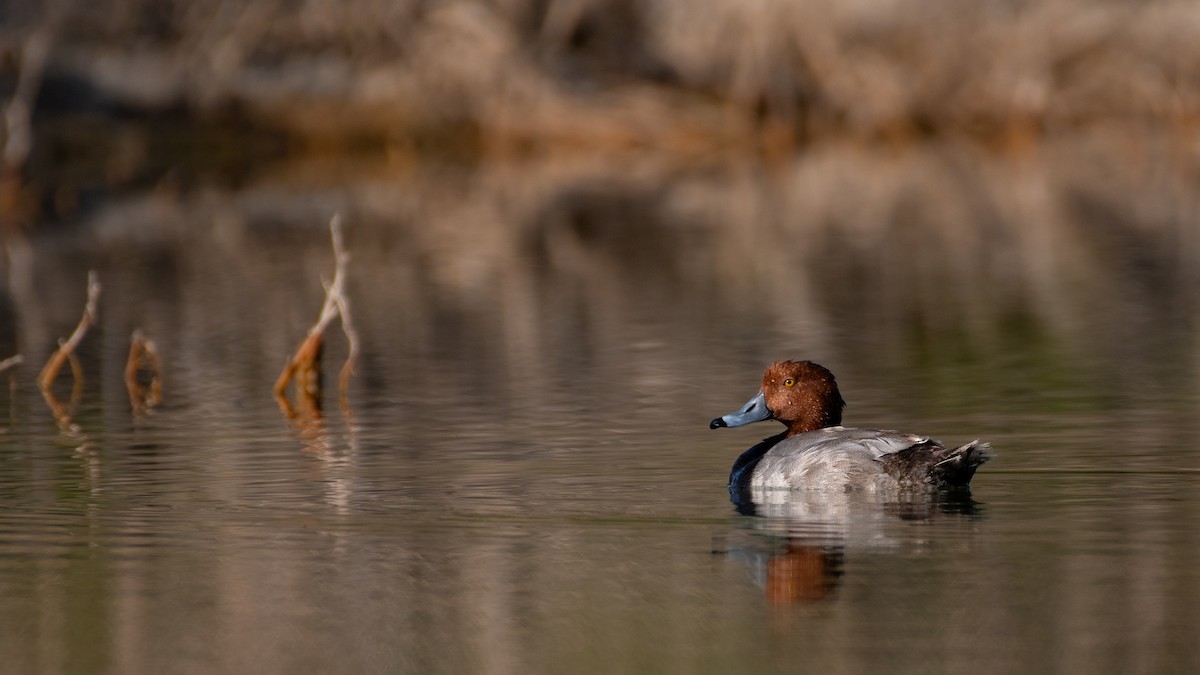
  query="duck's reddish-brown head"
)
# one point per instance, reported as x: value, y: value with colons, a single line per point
x: 801, y: 394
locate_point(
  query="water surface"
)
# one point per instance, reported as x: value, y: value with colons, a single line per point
x: 524, y: 480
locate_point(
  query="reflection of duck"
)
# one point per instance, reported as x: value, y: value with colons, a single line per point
x: 802, y: 574
x: 801, y: 539
x: 791, y: 571
x: 816, y: 452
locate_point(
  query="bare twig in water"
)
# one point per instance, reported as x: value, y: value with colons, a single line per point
x: 143, y: 355
x: 76, y: 379
x: 66, y: 348
x: 10, y: 362
x: 343, y: 304
x: 304, y: 368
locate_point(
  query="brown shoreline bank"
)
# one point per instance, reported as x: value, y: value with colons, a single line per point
x: 689, y: 79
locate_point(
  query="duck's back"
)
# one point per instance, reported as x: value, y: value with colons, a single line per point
x: 834, y: 458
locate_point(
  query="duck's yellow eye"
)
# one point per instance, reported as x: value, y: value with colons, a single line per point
x: 789, y: 382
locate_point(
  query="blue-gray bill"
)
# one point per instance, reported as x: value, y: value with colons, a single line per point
x: 755, y: 410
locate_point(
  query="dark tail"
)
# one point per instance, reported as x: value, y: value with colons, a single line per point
x: 956, y: 467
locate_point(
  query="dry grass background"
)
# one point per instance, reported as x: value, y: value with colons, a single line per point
x: 682, y: 76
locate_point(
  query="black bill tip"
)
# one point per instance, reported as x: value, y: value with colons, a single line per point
x: 717, y: 423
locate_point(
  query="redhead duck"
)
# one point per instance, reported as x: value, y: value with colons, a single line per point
x: 816, y: 452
